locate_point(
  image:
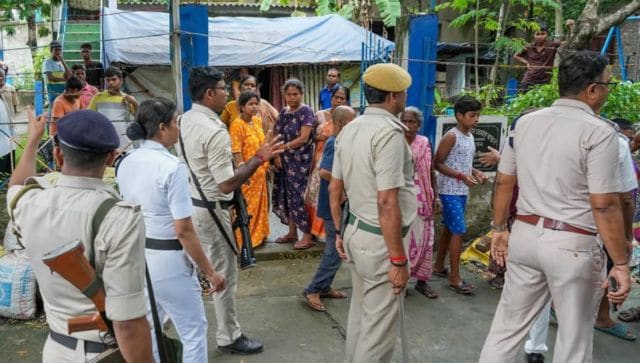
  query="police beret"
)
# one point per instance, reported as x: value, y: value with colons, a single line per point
x: 87, y: 130
x: 387, y: 77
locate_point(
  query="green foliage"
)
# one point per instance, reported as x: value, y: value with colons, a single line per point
x: 539, y: 96
x: 10, y: 30
x: 389, y: 10
x: 328, y: 7
x: 25, y: 79
x: 39, y: 58
x: 623, y: 101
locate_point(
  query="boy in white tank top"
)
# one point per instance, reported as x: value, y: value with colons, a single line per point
x: 454, y: 163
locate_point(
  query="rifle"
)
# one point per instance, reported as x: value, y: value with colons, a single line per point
x: 70, y: 262
x: 242, y: 219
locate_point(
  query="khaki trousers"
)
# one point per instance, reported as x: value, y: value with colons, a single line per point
x: 224, y: 262
x: 374, y: 311
x: 567, y: 267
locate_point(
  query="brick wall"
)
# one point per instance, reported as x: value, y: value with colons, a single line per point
x: 631, y: 46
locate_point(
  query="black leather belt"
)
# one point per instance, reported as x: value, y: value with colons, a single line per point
x: 72, y: 343
x: 162, y: 244
x: 222, y: 204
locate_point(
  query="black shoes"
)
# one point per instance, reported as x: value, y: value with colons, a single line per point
x: 535, y: 358
x: 243, y: 345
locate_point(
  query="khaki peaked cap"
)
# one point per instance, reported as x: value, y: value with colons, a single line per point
x: 387, y: 77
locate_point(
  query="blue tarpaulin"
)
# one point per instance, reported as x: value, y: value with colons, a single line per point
x: 142, y: 38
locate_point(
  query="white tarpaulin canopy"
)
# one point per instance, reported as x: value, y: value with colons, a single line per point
x: 142, y: 38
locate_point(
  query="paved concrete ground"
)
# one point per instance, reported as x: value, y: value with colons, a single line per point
x: 451, y: 328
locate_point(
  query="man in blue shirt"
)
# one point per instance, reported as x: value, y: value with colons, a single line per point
x: 333, y: 81
x: 320, y: 286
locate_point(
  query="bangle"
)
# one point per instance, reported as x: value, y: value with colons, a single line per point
x: 622, y: 264
x: 498, y: 227
x: 459, y: 176
x: 288, y: 147
x: 399, y: 261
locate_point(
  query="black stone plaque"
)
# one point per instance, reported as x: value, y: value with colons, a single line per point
x: 485, y: 134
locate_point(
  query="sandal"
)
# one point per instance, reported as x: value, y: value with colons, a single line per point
x: 286, y: 239
x: 497, y: 282
x: 444, y: 273
x: 463, y: 288
x: 630, y: 315
x: 427, y: 291
x: 618, y: 330
x: 334, y: 294
x: 304, y: 244
x: 314, y: 304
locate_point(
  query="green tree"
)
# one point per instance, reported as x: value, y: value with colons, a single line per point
x: 596, y: 19
x: 495, y: 17
x: 26, y: 10
x: 359, y: 11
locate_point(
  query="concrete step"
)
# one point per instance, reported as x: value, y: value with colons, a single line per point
x: 271, y: 251
x: 92, y: 27
x: 74, y: 53
x: 86, y: 37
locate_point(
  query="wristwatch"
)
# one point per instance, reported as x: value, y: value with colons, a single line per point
x: 498, y: 227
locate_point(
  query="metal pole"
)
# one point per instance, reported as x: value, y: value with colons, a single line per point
x: 176, y: 54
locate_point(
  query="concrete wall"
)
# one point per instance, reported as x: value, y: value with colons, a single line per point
x: 631, y: 45
x: 16, y: 52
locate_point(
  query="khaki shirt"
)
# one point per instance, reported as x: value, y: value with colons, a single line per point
x: 51, y: 217
x: 560, y: 155
x: 371, y: 155
x: 208, y: 147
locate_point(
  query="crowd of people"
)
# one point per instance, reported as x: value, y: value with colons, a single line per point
x: 370, y: 186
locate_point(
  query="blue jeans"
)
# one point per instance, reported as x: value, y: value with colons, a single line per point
x: 329, y: 264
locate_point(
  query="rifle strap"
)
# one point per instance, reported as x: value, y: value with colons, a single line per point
x: 209, y: 207
x: 157, y: 327
x: 98, y: 217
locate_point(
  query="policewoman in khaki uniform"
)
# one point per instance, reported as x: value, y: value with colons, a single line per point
x: 373, y: 164
x: 48, y: 216
x: 568, y: 194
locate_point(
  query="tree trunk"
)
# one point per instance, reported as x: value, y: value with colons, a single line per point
x: 590, y: 23
x: 32, y: 41
x: 477, y: 52
x: 362, y: 13
x: 559, y: 20
x: 505, y: 8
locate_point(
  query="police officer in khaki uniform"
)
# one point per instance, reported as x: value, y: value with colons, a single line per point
x: 565, y: 162
x: 49, y: 216
x: 207, y: 152
x: 373, y: 164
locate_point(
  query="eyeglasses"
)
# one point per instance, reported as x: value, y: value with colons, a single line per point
x: 610, y: 85
x: 223, y: 88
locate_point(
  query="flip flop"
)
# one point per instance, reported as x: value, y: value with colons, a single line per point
x: 444, y: 273
x: 630, y: 315
x: 463, y: 288
x: 618, y: 330
x: 334, y: 294
x: 286, y: 239
x: 427, y: 291
x: 317, y: 306
x: 496, y: 283
x: 303, y: 245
